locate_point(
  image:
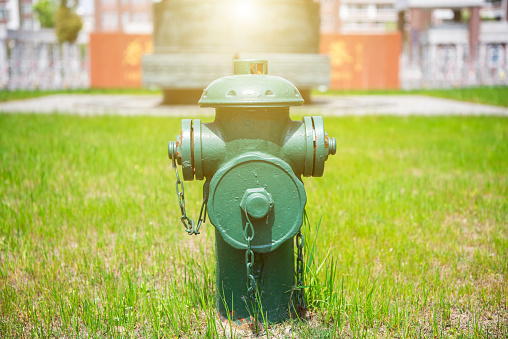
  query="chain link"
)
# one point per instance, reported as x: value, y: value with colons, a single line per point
x: 252, y: 287
x: 190, y: 227
x: 300, y: 297
x: 248, y: 234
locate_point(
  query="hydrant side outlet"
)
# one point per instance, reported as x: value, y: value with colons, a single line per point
x: 253, y: 156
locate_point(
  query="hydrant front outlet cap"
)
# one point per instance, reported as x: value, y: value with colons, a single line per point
x: 251, y: 182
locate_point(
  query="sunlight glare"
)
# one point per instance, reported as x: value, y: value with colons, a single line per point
x: 244, y: 9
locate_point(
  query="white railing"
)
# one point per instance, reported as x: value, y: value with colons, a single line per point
x: 36, y: 61
x: 434, y: 71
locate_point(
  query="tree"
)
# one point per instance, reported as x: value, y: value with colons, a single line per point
x: 67, y: 23
x: 45, y: 11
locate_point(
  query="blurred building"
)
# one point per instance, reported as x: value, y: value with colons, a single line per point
x: 17, y: 14
x: 363, y: 43
x: 453, y: 43
x: 4, y: 14
x: 358, y: 16
x: 495, y: 10
x: 32, y: 58
x: 126, y: 16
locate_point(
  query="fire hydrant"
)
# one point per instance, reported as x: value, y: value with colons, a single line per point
x: 253, y: 156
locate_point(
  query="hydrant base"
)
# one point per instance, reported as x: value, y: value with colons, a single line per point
x: 275, y: 276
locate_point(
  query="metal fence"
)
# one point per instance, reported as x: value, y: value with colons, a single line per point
x: 35, y: 60
x: 448, y: 66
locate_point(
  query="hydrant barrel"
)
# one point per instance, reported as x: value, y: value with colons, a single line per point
x: 253, y: 157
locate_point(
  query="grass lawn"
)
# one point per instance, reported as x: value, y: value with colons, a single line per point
x: 412, y: 238
x: 494, y: 95
x: 480, y: 95
x: 6, y: 95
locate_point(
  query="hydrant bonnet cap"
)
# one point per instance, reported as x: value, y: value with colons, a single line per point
x: 251, y: 86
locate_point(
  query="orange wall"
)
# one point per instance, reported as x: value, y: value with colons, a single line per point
x: 115, y: 59
x: 357, y: 61
x: 363, y: 61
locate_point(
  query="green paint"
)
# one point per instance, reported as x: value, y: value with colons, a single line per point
x: 251, y: 86
x: 255, y: 170
x: 274, y: 272
x: 256, y: 202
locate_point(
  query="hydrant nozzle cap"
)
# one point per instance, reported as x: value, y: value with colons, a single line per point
x: 251, y: 86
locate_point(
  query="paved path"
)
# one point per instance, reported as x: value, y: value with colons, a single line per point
x: 400, y: 105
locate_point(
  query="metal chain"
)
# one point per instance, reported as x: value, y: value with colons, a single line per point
x: 252, y: 287
x: 300, y: 297
x: 248, y: 234
x: 190, y: 227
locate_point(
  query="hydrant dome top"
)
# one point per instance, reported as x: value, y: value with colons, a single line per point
x: 251, y: 86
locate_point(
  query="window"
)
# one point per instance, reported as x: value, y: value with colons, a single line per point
x: 327, y: 23
x: 109, y: 21
x: 26, y: 8
x: 371, y: 11
x: 125, y: 19
x: 140, y: 17
x: 383, y: 8
x: 357, y: 8
x: 4, y: 14
x: 344, y: 11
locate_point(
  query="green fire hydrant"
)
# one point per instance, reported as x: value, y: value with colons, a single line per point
x: 253, y: 156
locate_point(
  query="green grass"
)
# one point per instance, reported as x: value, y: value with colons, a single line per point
x: 6, y: 95
x: 495, y: 95
x: 408, y: 232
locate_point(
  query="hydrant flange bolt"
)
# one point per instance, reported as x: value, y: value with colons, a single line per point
x: 256, y: 202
